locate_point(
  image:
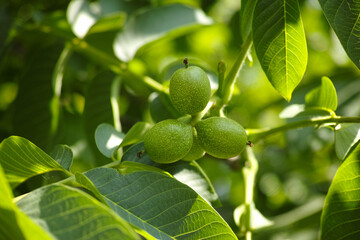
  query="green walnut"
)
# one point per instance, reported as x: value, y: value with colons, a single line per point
x: 168, y: 141
x: 190, y: 90
x: 196, y: 152
x: 221, y: 137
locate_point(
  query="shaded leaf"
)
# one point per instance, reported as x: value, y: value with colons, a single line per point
x: 179, y: 213
x: 21, y: 160
x: 108, y: 139
x: 246, y: 17
x: 98, y: 108
x: 323, y: 97
x: 15, y: 224
x: 280, y: 43
x: 149, y: 25
x: 63, y: 155
x: 189, y: 173
x: 340, y: 216
x: 343, y: 17
x: 135, y: 134
x: 71, y: 214
x: 37, y: 107
x: 347, y: 138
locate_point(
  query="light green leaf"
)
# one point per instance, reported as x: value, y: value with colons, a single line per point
x: 108, y: 139
x: 160, y: 205
x: 246, y: 17
x: 63, y: 155
x: 135, y: 134
x: 189, y: 173
x: 344, y: 18
x: 14, y: 223
x: 149, y: 25
x: 68, y: 213
x: 340, y: 216
x: 257, y: 220
x: 21, y: 160
x: 280, y: 43
x: 323, y: 97
x: 347, y: 138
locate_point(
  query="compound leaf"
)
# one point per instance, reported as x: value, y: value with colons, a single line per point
x: 340, y: 216
x: 344, y: 18
x: 280, y: 43
x: 159, y: 204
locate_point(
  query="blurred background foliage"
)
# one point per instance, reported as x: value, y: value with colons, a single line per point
x: 295, y: 168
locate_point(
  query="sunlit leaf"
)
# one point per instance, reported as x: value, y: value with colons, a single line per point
x: 343, y: 17
x: 246, y: 17
x: 189, y: 173
x: 21, y: 160
x: 340, y: 216
x: 135, y: 134
x: 63, y: 155
x: 280, y: 43
x: 71, y: 214
x: 108, y: 139
x: 347, y: 138
x: 323, y: 97
x: 179, y: 213
x: 150, y: 25
x: 257, y: 220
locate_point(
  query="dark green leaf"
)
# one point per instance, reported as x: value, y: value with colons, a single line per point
x: 189, y: 173
x: 323, y: 97
x: 14, y: 223
x: 150, y: 25
x: 347, y: 138
x: 37, y: 107
x: 280, y: 43
x: 343, y: 17
x: 246, y: 17
x: 340, y: 216
x: 21, y: 160
x: 71, y: 214
x: 179, y: 213
x: 63, y: 155
x: 108, y: 139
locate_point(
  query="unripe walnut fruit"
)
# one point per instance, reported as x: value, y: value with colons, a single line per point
x: 221, y: 137
x: 168, y: 141
x: 190, y: 90
x: 196, y: 152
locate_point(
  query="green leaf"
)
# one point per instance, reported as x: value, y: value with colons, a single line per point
x: 347, y: 138
x: 160, y: 205
x: 21, y: 160
x: 323, y: 97
x: 71, y: 214
x: 280, y: 43
x: 98, y: 108
x: 257, y: 220
x: 108, y: 139
x: 37, y: 106
x: 63, y: 155
x: 149, y: 25
x: 340, y: 216
x: 135, y: 134
x: 344, y: 18
x: 14, y: 223
x: 246, y: 17
x: 189, y: 173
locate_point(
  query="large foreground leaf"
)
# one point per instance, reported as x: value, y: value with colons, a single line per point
x: 340, y: 218
x: 150, y: 25
x: 160, y: 205
x: 13, y: 223
x: 21, y: 160
x: 280, y: 43
x: 344, y: 18
x: 71, y: 214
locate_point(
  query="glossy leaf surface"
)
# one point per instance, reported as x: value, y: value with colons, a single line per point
x: 280, y: 43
